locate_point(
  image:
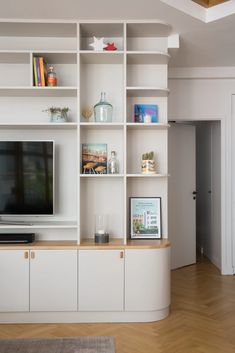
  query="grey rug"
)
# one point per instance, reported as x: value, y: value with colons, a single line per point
x: 59, y: 345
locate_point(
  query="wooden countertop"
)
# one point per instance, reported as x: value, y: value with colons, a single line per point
x: 89, y: 244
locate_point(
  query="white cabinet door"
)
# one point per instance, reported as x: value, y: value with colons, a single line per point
x: 14, y: 280
x: 101, y: 280
x: 147, y: 279
x: 53, y: 280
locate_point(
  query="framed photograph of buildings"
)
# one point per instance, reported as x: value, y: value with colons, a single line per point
x: 145, y: 218
x: 94, y: 158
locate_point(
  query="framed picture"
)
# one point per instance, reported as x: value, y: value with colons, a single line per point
x: 145, y: 218
x: 146, y: 113
x: 94, y: 158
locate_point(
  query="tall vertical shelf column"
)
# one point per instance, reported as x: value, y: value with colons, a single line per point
x: 146, y: 83
x: 102, y: 71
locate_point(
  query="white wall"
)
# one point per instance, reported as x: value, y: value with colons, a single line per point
x: 210, y: 99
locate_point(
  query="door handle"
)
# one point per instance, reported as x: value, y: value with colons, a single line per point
x: 121, y: 254
x: 26, y: 255
x: 32, y: 255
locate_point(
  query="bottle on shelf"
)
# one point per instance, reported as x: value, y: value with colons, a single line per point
x: 103, y: 110
x: 113, y: 164
x: 51, y: 77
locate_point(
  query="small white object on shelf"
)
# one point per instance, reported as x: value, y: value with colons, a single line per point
x: 98, y: 44
x: 147, y: 119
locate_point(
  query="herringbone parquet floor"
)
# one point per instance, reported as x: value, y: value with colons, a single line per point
x: 202, y: 319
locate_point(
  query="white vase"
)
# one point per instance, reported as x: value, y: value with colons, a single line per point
x: 59, y: 117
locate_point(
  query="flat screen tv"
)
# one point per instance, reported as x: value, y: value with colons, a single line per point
x: 26, y: 177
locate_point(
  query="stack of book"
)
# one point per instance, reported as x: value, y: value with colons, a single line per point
x: 39, y: 71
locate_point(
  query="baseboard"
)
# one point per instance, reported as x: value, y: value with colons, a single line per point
x: 83, y: 317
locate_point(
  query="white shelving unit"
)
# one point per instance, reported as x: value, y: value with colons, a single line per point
x: 136, y: 73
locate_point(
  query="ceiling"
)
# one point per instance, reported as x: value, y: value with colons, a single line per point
x: 201, y: 44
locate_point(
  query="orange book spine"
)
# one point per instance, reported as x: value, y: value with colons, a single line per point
x: 41, y: 66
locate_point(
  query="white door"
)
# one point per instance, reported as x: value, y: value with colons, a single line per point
x: 147, y: 279
x: 181, y: 202
x: 101, y: 280
x: 14, y: 280
x: 53, y: 280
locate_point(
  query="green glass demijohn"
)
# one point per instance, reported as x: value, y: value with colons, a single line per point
x: 103, y: 110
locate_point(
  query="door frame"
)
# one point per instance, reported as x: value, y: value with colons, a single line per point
x: 226, y: 185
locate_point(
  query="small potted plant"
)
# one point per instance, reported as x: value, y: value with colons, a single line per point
x: 57, y: 114
x: 148, y: 163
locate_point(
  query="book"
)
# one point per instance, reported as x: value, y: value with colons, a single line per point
x: 35, y: 72
x: 42, y: 73
x: 38, y: 72
x: 145, y: 113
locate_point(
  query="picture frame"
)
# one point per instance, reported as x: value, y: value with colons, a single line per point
x: 94, y: 158
x: 145, y: 218
x: 145, y: 113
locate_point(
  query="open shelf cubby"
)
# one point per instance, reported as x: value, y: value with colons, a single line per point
x: 147, y: 36
x: 100, y: 77
x: 154, y: 140
x: 148, y: 187
x: 65, y: 66
x: 111, y: 32
x: 38, y: 36
x: 102, y: 196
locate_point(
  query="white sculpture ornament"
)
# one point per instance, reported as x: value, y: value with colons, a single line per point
x: 98, y: 44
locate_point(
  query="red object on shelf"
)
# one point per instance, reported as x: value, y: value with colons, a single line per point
x: 110, y: 46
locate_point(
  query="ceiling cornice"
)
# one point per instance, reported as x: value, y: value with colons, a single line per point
x: 209, y: 3
x: 205, y: 14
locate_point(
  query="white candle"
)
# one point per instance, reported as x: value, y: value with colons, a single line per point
x: 101, y: 231
x: 147, y: 118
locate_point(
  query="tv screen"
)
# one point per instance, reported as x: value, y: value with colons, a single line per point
x: 26, y: 177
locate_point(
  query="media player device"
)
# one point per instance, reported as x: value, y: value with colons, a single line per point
x: 17, y: 238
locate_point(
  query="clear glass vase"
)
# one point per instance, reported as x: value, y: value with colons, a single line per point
x: 101, y: 228
x: 103, y: 110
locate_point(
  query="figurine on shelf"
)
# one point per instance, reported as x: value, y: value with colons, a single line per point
x: 51, y: 77
x: 87, y: 112
x: 98, y: 44
x: 110, y: 47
